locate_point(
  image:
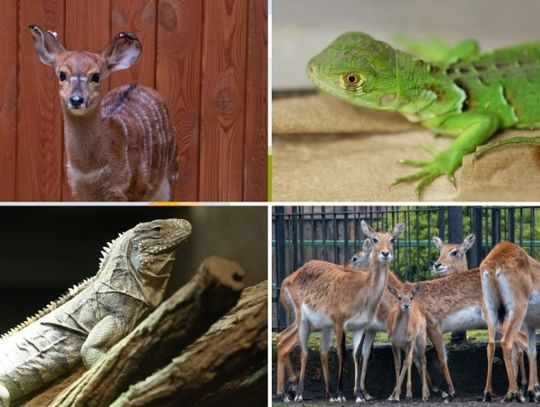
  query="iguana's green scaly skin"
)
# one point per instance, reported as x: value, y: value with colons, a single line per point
x: 92, y: 317
x: 469, y: 99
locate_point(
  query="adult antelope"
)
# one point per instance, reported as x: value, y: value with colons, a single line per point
x: 120, y: 147
x: 451, y: 260
x: 407, y: 332
x: 329, y: 297
x: 511, y: 295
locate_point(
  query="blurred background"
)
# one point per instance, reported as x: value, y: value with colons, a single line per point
x: 302, y: 28
x: 47, y: 249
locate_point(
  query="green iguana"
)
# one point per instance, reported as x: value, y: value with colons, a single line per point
x: 93, y: 316
x: 456, y: 92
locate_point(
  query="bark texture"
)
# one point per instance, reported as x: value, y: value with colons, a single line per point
x: 228, y: 363
x: 174, y: 325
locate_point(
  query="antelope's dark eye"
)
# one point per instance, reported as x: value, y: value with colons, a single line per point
x: 95, y: 78
x: 399, y: 298
x: 355, y: 259
x: 375, y: 240
x: 453, y: 253
x: 392, y: 240
x: 62, y: 76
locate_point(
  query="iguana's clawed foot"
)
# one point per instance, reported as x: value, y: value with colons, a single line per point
x: 440, y: 165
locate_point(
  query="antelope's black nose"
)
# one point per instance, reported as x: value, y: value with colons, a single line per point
x: 76, y: 101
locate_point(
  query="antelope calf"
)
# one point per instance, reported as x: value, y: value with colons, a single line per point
x: 329, y: 298
x: 406, y: 327
x: 120, y: 147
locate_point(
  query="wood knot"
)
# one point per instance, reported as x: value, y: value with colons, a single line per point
x: 167, y: 17
x: 223, y: 100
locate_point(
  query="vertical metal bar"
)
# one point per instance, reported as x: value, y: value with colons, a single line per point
x: 511, y: 224
x: 279, y: 212
x: 294, y: 228
x: 417, y: 230
x: 336, y: 237
x: 313, y: 233
x: 532, y: 231
x: 475, y: 253
x: 301, y: 232
x: 455, y: 224
x: 495, y: 225
x: 455, y: 235
x: 323, y: 215
x: 345, y: 235
x: 441, y: 222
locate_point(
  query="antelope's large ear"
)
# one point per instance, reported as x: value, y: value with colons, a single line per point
x: 468, y: 242
x: 392, y: 290
x: 367, y: 247
x: 122, y: 51
x: 415, y: 289
x: 398, y: 229
x: 438, y: 242
x: 47, y: 45
x: 367, y: 229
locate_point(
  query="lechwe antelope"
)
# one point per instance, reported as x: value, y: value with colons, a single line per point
x: 406, y: 327
x: 511, y: 294
x: 451, y: 260
x: 121, y: 147
x: 329, y: 297
x: 452, y: 256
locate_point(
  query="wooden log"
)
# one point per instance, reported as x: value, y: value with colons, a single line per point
x: 175, y: 324
x: 229, y: 361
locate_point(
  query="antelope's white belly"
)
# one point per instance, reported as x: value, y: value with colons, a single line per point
x: 466, y: 318
x: 318, y: 320
x: 357, y: 321
x: 532, y: 317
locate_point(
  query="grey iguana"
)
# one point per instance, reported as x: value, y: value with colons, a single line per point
x: 94, y: 315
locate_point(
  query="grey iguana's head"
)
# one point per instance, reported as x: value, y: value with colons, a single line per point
x: 147, y: 251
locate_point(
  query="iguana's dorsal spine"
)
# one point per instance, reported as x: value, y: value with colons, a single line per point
x: 68, y: 295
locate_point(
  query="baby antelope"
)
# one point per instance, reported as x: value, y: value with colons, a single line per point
x: 407, y: 331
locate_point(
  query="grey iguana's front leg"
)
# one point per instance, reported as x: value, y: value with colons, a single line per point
x: 102, y: 337
x: 4, y: 396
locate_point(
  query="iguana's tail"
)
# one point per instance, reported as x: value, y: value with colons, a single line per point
x: 514, y: 140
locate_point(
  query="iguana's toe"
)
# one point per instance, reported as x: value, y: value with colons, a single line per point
x: 414, y: 163
x: 430, y: 149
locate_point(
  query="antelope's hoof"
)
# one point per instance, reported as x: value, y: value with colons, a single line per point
x: 299, y: 398
x: 534, y: 394
x: 393, y: 397
x: 368, y: 397
x: 488, y: 397
x: 514, y: 396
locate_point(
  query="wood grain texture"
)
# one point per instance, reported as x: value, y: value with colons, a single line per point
x: 8, y: 99
x: 178, y: 77
x: 223, y: 100
x: 256, y: 143
x: 39, y: 127
x: 207, y: 58
x: 138, y: 17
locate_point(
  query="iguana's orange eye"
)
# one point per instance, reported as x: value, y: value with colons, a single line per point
x: 351, y: 80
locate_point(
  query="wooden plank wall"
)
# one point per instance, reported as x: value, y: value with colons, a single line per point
x: 208, y: 58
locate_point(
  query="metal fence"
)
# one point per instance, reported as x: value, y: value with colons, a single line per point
x: 333, y: 233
